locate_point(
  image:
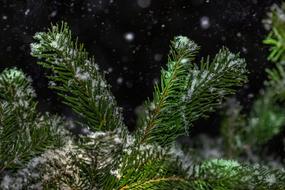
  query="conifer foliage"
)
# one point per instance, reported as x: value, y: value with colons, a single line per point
x: 38, y: 152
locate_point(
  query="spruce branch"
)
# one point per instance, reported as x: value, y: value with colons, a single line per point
x: 148, y: 167
x: 213, y: 82
x: 166, y: 93
x: 188, y: 91
x: 267, y: 116
x: 110, y: 158
x: 77, y: 79
x: 49, y: 170
x: 229, y: 174
x: 23, y: 132
x: 247, y: 135
x: 265, y: 120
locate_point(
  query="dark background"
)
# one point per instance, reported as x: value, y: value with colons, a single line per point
x: 133, y: 65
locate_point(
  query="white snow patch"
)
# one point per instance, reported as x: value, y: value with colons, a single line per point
x: 182, y: 42
x: 82, y: 75
x: 270, y: 179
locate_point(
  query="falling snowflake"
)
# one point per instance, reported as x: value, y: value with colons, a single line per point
x: 205, y: 22
x: 129, y: 36
x: 144, y: 3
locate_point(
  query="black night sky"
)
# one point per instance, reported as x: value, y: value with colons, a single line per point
x: 130, y: 39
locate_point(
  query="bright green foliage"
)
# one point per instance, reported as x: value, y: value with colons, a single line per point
x: 276, y: 40
x: 228, y: 174
x: 266, y: 120
x: 267, y: 117
x: 188, y: 91
x: 276, y: 37
x: 24, y: 133
x: 77, y: 79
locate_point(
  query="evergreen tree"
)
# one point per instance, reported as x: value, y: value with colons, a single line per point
x: 38, y: 152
